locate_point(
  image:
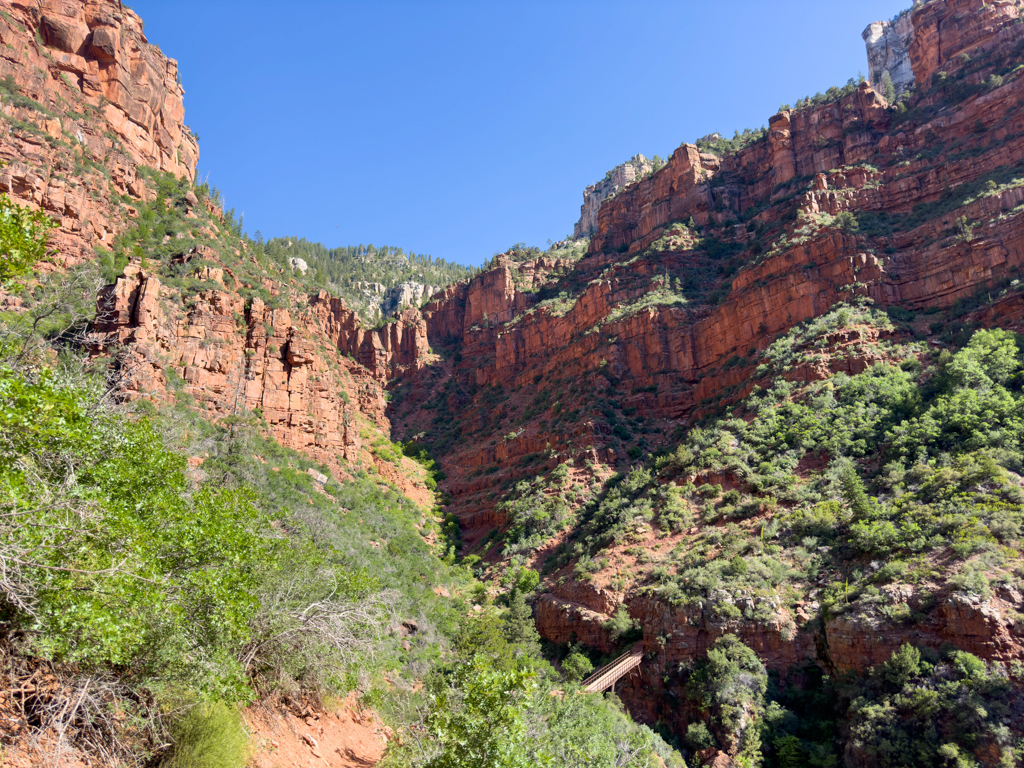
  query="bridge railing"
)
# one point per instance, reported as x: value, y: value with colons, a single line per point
x: 609, y: 674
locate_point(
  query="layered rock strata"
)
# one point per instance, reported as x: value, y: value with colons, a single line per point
x: 88, y: 100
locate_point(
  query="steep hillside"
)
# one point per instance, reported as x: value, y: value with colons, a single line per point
x: 202, y: 507
x: 375, y: 282
x: 766, y: 421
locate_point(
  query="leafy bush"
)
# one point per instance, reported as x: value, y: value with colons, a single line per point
x: 919, y: 713
x: 483, y: 716
x: 576, y: 666
x: 731, y: 684
x: 534, y: 515
x: 481, y: 722
x: 698, y: 737
x: 121, y: 560
x: 622, y: 627
x: 24, y: 241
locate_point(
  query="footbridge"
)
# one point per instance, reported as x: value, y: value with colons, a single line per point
x: 609, y: 674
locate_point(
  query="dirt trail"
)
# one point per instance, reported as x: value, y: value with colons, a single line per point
x: 339, y: 738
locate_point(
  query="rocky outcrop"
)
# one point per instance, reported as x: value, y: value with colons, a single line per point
x: 888, y: 46
x: 565, y: 621
x: 988, y: 628
x: 799, y: 144
x: 88, y: 99
x: 945, y: 30
x: 385, y: 352
x: 231, y: 358
x: 617, y: 178
x: 493, y: 298
x: 379, y: 301
x: 405, y: 296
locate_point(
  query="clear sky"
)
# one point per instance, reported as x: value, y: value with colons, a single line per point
x: 459, y: 128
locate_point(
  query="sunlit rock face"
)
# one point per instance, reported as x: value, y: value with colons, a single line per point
x: 617, y: 178
x: 89, y: 100
x: 888, y: 45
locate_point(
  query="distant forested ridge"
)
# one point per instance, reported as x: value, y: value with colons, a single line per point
x: 340, y: 270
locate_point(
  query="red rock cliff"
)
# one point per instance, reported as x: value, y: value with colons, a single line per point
x: 661, y: 314
x: 88, y: 97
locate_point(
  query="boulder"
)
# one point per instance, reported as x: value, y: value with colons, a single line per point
x: 105, y: 44
x: 64, y: 34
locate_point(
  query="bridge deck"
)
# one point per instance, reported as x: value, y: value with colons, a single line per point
x: 607, y: 675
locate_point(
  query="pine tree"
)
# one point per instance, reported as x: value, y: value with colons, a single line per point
x: 519, y: 626
x: 854, y: 493
x: 888, y: 89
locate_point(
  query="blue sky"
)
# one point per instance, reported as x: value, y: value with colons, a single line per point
x: 459, y: 128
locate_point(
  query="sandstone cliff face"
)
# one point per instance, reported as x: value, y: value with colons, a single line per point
x: 593, y: 332
x: 799, y: 144
x: 93, y: 99
x: 888, y: 44
x: 385, y: 352
x: 231, y: 359
x: 617, y: 178
x: 690, y: 271
x: 297, y: 368
x: 945, y: 31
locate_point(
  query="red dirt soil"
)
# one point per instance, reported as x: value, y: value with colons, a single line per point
x: 339, y: 738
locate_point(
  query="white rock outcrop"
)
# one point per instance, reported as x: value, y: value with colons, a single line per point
x: 617, y: 178
x: 888, y: 44
x: 406, y: 295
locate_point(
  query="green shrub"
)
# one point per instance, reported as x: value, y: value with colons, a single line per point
x: 912, y: 712
x: 846, y: 221
x: 535, y: 515
x: 151, y: 563
x: 698, y: 737
x: 622, y: 627
x: 730, y: 684
x: 576, y: 666
x: 24, y: 241
x: 210, y: 736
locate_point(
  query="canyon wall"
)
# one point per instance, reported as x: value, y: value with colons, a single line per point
x: 591, y: 362
x: 89, y: 101
x: 950, y: 34
x: 312, y: 373
x: 407, y: 295
x: 591, y: 334
x: 618, y: 177
x: 92, y: 109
